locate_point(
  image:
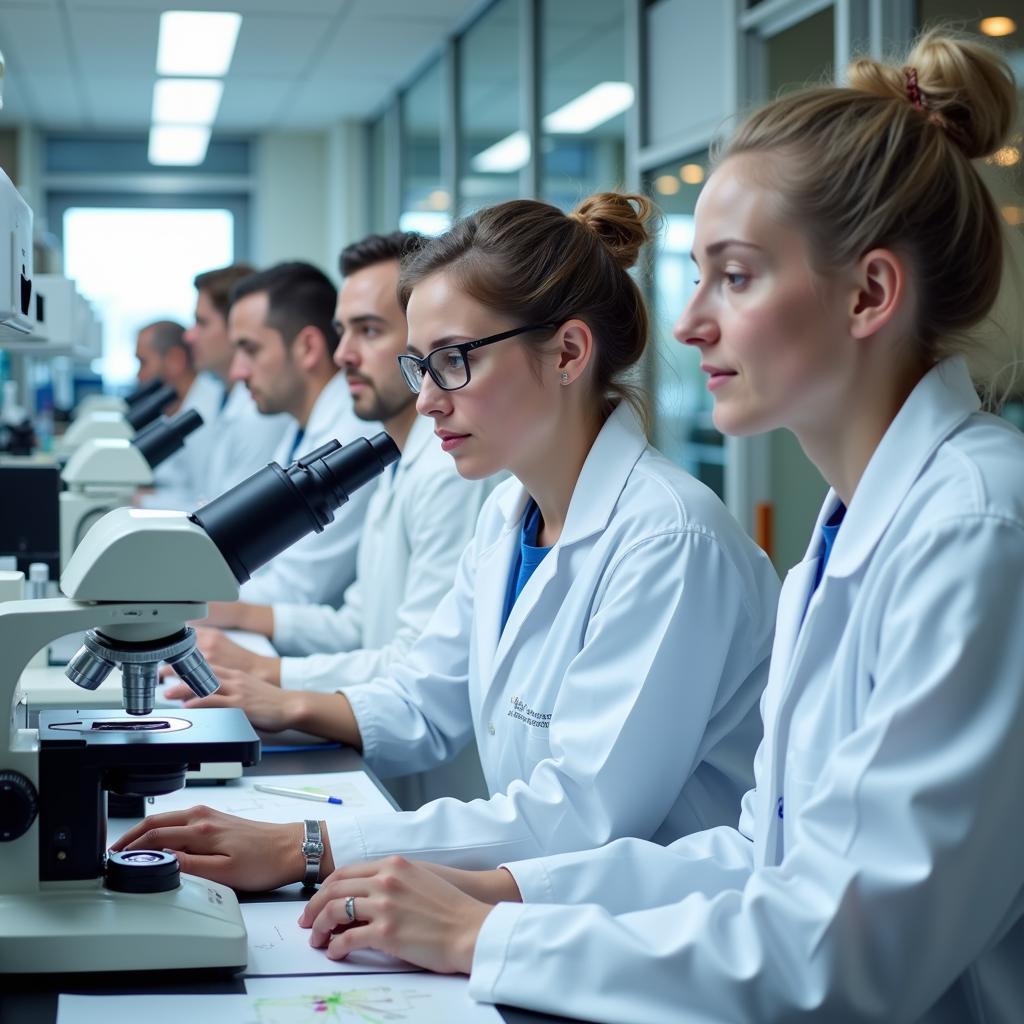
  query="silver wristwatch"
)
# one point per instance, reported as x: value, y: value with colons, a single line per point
x: 312, y: 850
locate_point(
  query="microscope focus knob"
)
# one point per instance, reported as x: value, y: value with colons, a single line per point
x: 19, y: 805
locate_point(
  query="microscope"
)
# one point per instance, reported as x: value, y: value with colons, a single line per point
x: 133, y: 584
x: 97, y: 401
x: 105, y: 473
x: 106, y: 423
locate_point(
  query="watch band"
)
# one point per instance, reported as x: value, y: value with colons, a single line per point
x: 313, y: 851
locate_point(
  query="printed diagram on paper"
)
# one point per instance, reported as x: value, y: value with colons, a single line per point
x: 376, y: 1005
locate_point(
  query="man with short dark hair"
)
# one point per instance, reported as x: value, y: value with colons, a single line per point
x: 420, y: 518
x: 281, y: 325
x: 162, y: 353
x: 240, y: 440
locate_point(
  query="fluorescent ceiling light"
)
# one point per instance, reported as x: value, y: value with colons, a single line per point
x: 181, y: 144
x: 506, y: 155
x: 186, y: 100
x: 590, y: 109
x: 196, y: 42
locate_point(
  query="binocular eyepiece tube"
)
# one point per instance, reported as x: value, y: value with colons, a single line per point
x: 275, y: 507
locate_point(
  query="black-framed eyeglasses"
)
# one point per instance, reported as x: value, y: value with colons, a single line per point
x: 448, y: 366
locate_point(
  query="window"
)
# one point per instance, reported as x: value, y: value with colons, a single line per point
x: 426, y: 203
x: 682, y: 404
x: 137, y: 265
x: 493, y: 143
x: 584, y: 96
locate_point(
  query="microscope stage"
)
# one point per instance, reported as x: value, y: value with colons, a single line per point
x: 190, y: 737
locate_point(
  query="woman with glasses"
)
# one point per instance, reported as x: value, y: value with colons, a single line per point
x: 606, y: 638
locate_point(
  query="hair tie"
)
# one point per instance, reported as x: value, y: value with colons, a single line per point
x: 913, y: 90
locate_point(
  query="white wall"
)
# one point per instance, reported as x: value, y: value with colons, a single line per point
x: 289, y: 205
x: 691, y: 80
x: 310, y: 195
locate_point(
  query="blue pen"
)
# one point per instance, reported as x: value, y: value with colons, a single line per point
x: 300, y: 794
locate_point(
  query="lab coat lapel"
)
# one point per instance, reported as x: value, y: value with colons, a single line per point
x: 608, y: 465
x: 492, y: 571
x: 421, y: 434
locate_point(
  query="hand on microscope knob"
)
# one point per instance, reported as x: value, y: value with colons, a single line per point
x: 254, y: 856
x: 268, y: 707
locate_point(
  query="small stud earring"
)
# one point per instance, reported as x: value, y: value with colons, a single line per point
x: 565, y: 377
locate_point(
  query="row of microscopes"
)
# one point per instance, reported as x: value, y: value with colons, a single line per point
x: 131, y: 586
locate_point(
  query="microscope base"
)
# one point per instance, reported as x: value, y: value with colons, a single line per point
x: 62, y: 929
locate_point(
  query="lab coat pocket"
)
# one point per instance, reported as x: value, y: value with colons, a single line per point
x: 537, y: 746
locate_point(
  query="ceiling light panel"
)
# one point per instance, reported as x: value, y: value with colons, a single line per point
x: 186, y: 100
x: 597, y: 105
x: 178, y: 144
x: 196, y: 42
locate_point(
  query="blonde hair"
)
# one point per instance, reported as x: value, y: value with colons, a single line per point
x: 533, y: 263
x: 886, y: 163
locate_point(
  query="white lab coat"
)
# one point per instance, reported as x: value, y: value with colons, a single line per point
x: 878, y: 871
x: 241, y: 443
x: 419, y: 520
x: 318, y: 568
x: 177, y: 480
x: 620, y: 698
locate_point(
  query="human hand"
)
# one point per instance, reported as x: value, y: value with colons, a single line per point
x: 249, y: 855
x: 402, y: 908
x: 224, y: 614
x: 220, y: 649
x: 497, y: 886
x: 267, y: 707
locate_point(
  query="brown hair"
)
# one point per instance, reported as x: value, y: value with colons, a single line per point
x: 374, y: 249
x: 217, y: 284
x: 534, y: 264
x: 886, y: 163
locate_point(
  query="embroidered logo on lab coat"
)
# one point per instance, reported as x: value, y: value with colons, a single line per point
x: 521, y: 710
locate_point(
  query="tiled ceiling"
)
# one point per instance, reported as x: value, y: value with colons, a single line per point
x: 299, y: 64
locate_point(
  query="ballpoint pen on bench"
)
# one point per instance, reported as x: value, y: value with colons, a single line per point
x: 300, y: 794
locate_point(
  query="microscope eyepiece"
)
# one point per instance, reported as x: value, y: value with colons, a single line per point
x: 147, y: 409
x: 163, y: 437
x: 261, y: 516
x: 143, y: 391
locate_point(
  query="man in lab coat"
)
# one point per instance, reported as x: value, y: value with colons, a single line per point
x: 240, y: 441
x: 420, y: 518
x: 281, y: 324
x: 162, y: 354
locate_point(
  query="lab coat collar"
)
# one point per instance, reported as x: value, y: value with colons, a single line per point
x: 418, y: 441
x: 328, y: 406
x: 612, y: 457
x: 942, y: 400
x: 420, y: 437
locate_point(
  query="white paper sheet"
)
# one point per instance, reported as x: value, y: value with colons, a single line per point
x: 239, y: 797
x: 277, y: 945
x: 402, y: 999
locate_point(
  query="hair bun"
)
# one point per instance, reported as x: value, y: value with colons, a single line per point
x: 966, y: 88
x: 619, y: 219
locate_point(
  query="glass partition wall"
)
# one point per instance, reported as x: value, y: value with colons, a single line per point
x: 493, y: 143
x: 584, y: 97
x: 561, y: 98
x: 426, y: 201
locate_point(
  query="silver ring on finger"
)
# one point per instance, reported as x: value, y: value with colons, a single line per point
x: 350, y: 909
